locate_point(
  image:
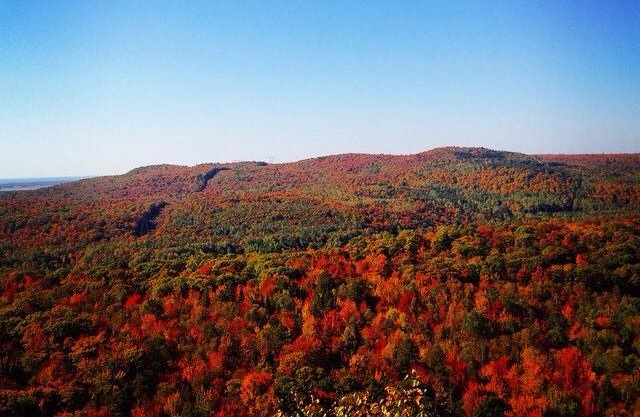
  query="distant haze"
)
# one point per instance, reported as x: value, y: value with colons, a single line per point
x: 24, y: 184
x: 103, y: 87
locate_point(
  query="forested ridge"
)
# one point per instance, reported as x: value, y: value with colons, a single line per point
x: 454, y: 282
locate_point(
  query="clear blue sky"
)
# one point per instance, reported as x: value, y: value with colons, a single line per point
x: 92, y: 87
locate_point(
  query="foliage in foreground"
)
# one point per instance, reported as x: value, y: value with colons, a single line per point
x: 538, y: 319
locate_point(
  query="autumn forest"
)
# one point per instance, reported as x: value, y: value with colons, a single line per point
x: 454, y: 282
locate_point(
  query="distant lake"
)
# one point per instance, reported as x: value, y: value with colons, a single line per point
x: 22, y: 184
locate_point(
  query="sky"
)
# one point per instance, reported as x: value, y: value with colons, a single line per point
x: 91, y: 87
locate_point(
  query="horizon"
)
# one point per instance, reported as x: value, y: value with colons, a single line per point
x: 69, y: 178
x: 106, y: 88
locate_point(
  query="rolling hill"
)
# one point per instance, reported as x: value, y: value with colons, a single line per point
x: 330, y: 198
x: 457, y: 281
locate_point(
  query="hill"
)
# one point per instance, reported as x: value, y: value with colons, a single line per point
x: 457, y: 281
x: 314, y: 201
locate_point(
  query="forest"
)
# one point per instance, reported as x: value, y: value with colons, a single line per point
x: 454, y: 282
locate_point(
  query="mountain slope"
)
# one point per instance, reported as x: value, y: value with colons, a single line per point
x: 454, y: 282
x: 312, y: 201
